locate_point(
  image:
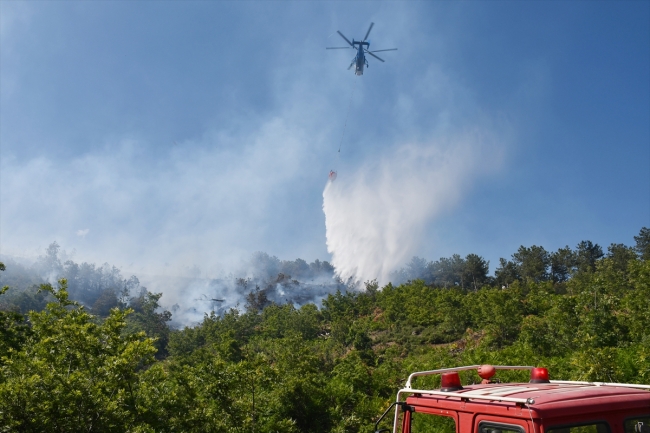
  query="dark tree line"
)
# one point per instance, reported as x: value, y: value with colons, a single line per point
x: 532, y: 263
x: 97, y: 287
x: 470, y: 272
x: 265, y: 267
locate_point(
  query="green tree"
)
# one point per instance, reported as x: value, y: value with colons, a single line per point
x: 635, y: 303
x: 506, y: 273
x: 72, y: 374
x: 532, y: 263
x: 587, y: 254
x: 643, y: 243
x: 416, y: 269
x: 349, y: 387
x: 106, y: 301
x: 562, y: 264
x: 476, y: 271
x: 448, y: 272
x: 147, y: 318
x: 498, y: 311
x: 13, y: 329
x: 620, y: 255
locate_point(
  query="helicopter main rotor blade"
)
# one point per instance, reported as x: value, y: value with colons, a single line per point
x: 352, y: 64
x: 337, y: 48
x: 376, y: 51
x: 375, y: 56
x: 346, y: 39
x: 368, y: 32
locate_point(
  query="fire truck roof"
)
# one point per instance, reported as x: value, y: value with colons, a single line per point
x: 543, y: 399
x: 541, y: 396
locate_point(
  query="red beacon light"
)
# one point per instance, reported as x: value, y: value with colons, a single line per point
x: 450, y: 382
x: 486, y: 371
x: 539, y: 375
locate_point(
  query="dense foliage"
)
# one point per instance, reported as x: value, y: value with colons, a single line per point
x: 582, y: 313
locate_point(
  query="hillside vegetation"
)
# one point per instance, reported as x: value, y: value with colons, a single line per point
x: 335, y: 367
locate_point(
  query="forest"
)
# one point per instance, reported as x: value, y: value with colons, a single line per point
x: 94, y: 351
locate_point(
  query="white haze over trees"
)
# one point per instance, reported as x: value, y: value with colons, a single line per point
x: 263, y: 280
x: 257, y: 282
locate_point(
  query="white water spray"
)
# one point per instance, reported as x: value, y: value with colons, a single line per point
x: 375, y: 217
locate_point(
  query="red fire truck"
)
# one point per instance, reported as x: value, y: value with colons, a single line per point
x: 538, y: 406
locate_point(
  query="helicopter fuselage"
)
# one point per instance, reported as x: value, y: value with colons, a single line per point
x: 361, y: 57
x: 360, y: 61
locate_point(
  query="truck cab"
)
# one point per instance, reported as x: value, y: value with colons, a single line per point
x: 538, y: 406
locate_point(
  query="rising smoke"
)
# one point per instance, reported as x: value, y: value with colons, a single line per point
x: 375, y: 217
x: 257, y: 282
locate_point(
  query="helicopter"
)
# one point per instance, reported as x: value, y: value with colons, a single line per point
x: 360, y: 59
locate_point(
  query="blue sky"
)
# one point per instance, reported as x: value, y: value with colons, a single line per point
x: 162, y: 135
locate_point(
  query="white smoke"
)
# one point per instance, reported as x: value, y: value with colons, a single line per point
x: 376, y: 216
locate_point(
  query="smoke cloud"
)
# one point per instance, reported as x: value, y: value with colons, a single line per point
x: 257, y: 282
x: 375, y: 217
x: 190, y: 299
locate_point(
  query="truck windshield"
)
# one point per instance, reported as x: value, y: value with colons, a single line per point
x: 427, y: 423
x: 596, y: 427
x: 638, y: 424
x: 491, y: 427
